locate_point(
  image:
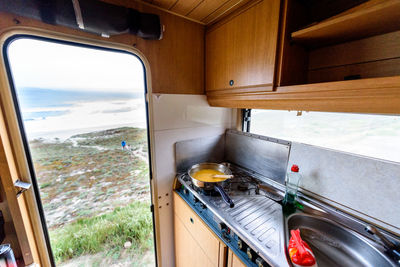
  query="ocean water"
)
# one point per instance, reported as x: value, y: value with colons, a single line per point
x: 59, y: 114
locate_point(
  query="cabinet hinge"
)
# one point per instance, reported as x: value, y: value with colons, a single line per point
x: 246, y: 116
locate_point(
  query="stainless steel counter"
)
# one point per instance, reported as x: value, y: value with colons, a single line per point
x: 256, y: 219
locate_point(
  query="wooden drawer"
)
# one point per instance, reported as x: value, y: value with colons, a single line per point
x: 187, y: 251
x: 234, y: 261
x: 200, y: 232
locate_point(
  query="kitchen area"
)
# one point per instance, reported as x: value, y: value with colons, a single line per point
x: 307, y: 57
x: 250, y: 225
x: 222, y: 81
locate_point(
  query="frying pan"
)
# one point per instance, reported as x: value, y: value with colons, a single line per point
x: 212, y: 185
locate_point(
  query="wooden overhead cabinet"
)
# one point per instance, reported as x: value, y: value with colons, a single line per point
x: 336, y: 56
x: 241, y: 50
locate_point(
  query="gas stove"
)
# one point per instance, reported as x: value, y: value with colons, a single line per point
x: 241, y: 184
x: 252, y: 229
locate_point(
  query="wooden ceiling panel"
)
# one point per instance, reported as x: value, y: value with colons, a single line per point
x: 205, y: 8
x: 167, y: 4
x: 184, y: 7
x: 201, y: 11
x: 226, y: 8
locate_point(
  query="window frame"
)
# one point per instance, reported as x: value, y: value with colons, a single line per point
x: 246, y: 127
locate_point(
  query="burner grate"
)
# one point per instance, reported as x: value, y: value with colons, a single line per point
x: 241, y: 183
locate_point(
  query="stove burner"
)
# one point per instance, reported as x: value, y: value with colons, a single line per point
x: 202, y: 191
x: 242, y: 187
x: 241, y: 183
x: 210, y: 193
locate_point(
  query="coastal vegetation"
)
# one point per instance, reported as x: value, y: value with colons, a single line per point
x: 95, y: 193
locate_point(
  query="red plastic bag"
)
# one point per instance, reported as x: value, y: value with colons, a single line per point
x: 299, y: 251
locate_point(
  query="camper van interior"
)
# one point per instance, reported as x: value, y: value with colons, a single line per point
x: 196, y: 133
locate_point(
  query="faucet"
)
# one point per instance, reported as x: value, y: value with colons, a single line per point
x: 392, y: 248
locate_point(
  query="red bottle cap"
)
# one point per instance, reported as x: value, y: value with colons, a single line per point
x: 295, y: 168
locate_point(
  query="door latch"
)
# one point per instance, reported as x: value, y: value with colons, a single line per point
x: 23, y: 186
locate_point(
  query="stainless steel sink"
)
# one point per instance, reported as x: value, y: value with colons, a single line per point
x: 336, y: 245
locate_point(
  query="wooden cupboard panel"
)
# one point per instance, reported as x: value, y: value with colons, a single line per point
x: 368, y: 19
x: 223, y: 253
x: 242, y: 48
x: 312, y: 79
x: 234, y: 261
x: 377, y: 56
x: 219, y: 45
x: 187, y: 252
x: 382, y: 68
x: 292, y: 58
x: 199, y: 230
x: 375, y: 95
x: 176, y: 61
x: 385, y: 46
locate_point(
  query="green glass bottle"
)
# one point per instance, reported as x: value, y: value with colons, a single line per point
x: 292, y: 183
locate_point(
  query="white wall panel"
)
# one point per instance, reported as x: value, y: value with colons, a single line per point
x: 188, y: 111
x: 177, y: 118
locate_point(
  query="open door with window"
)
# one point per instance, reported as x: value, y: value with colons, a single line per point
x: 79, y: 131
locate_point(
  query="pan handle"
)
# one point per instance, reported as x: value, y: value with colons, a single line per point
x: 224, y: 196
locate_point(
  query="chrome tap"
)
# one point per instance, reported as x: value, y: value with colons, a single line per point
x: 392, y: 248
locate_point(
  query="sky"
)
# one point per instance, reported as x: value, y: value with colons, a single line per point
x: 58, y: 66
x: 64, y: 90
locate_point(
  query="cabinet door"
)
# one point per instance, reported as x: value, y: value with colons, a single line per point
x: 242, y: 49
x: 187, y: 251
x: 195, y: 243
x: 234, y: 261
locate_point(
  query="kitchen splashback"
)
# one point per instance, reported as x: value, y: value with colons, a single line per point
x: 365, y: 187
x: 263, y: 155
x: 191, y: 152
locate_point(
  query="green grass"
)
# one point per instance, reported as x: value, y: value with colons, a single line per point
x: 107, y: 232
x: 78, y: 167
x: 89, y: 174
x: 44, y: 185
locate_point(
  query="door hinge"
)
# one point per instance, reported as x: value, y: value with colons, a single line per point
x: 23, y: 186
x: 152, y: 208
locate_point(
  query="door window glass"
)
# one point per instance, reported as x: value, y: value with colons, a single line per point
x: 84, y: 115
